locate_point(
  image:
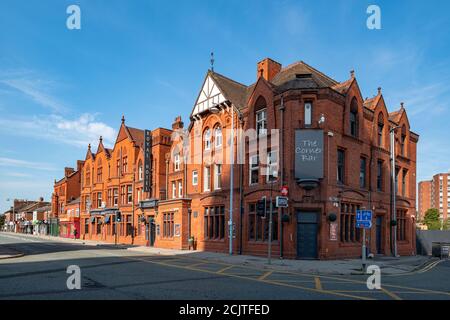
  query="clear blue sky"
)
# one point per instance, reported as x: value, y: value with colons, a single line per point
x: 61, y: 89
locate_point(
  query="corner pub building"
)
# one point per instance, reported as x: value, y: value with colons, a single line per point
x: 189, y: 202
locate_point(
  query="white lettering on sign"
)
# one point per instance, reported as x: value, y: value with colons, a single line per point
x: 308, y: 150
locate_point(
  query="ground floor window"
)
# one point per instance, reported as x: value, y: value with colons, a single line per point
x: 348, y: 230
x: 401, y: 224
x: 214, y: 223
x: 86, y: 226
x: 258, y: 226
x: 99, y: 227
x: 168, y: 225
x: 129, y: 226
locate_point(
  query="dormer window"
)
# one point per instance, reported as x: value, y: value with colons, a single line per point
x: 261, y: 122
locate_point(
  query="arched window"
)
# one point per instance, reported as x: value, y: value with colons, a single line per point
x: 207, y: 139
x: 261, y: 116
x: 99, y: 170
x: 218, y: 137
x: 140, y: 171
x: 354, y: 118
x: 88, y: 176
x: 380, y: 129
x: 403, y: 141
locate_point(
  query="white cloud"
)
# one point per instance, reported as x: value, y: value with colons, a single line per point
x: 18, y: 163
x: 34, y: 87
x: 77, y: 132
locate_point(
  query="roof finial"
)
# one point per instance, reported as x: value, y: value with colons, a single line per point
x: 402, y: 105
x: 212, y: 61
x: 89, y: 146
x: 101, y: 139
x: 379, y: 90
x: 123, y: 118
x: 352, y: 73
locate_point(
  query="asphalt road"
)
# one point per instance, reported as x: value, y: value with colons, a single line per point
x: 112, y: 273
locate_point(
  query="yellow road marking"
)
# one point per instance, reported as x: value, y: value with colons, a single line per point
x: 391, y: 294
x: 318, y: 283
x: 195, y: 264
x: 224, y: 269
x: 253, y: 279
x: 265, y: 275
x: 280, y: 282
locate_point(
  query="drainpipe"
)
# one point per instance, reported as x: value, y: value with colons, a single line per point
x: 132, y: 203
x: 167, y: 179
x: 241, y: 189
x: 282, y: 108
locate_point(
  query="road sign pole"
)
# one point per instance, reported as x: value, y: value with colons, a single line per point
x: 364, y: 251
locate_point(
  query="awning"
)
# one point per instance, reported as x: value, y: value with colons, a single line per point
x: 107, y: 218
x: 92, y: 220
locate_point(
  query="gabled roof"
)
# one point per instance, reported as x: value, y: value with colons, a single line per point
x: 395, y: 116
x: 89, y: 153
x: 133, y: 134
x: 292, y: 71
x: 372, y: 103
x: 233, y: 91
x: 136, y: 135
x: 343, y: 86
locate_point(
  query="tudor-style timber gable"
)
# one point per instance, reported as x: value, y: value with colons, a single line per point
x: 210, y: 95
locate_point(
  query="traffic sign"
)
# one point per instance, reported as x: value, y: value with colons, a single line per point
x: 284, y: 191
x: 281, y: 202
x: 364, y: 219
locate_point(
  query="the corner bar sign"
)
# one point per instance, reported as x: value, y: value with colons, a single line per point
x: 308, y: 154
x: 284, y: 191
x: 147, y: 160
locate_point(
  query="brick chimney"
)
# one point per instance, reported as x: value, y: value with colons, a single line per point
x: 178, y: 124
x: 68, y: 171
x: 268, y: 69
x: 80, y: 164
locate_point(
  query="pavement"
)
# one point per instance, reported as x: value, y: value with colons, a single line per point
x: 388, y: 265
x: 123, y: 272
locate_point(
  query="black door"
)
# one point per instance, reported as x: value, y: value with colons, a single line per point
x: 152, y: 234
x: 307, y: 235
x: 379, y: 234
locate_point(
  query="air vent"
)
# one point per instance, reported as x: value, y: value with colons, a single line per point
x: 303, y: 75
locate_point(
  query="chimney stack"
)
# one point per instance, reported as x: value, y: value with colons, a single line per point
x: 80, y: 165
x: 178, y: 124
x: 267, y: 69
x: 68, y: 171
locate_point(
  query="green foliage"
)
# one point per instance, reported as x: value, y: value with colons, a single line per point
x: 431, y: 219
x: 2, y: 220
x: 446, y: 224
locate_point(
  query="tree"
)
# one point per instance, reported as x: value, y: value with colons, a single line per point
x: 2, y: 220
x: 431, y: 219
x: 446, y: 224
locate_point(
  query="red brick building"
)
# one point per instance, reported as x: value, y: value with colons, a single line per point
x: 65, y: 191
x: 314, y: 135
x: 435, y: 194
x: 320, y: 220
x: 112, y: 181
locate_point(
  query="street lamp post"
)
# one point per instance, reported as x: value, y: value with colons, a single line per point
x: 214, y: 110
x: 393, y: 191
